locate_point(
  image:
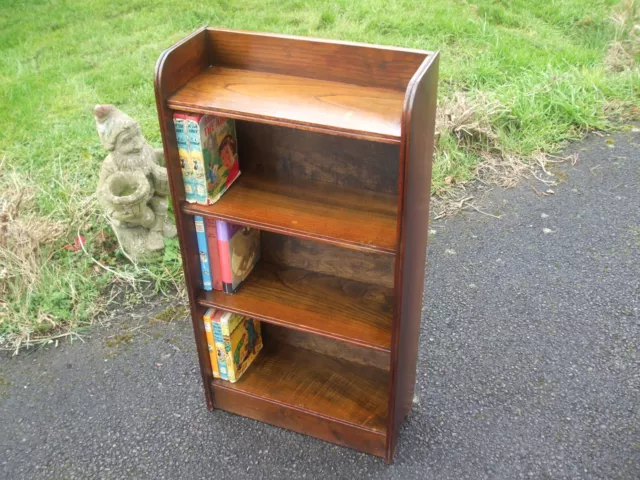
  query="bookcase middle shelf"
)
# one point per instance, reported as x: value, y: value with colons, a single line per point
x: 353, y: 218
x: 335, y: 307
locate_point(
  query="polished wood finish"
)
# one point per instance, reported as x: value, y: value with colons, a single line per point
x: 319, y: 384
x: 292, y: 101
x: 368, y: 267
x: 173, y: 69
x: 416, y: 160
x: 327, y: 346
x: 359, y: 219
x: 346, y: 62
x: 335, y: 143
x: 290, y: 154
x: 350, y: 311
x: 300, y: 420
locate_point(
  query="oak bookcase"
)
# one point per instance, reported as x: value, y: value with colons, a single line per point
x: 335, y: 142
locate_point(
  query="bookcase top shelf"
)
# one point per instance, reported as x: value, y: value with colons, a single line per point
x: 319, y: 211
x: 286, y: 100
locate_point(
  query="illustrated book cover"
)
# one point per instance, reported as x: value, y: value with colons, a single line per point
x: 213, y: 149
x: 242, y: 343
x: 239, y: 250
x: 179, y: 122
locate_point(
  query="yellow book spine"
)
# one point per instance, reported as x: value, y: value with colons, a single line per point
x: 210, y: 343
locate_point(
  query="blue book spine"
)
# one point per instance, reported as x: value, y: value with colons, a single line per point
x: 218, y: 339
x: 203, y: 252
x: 185, y: 160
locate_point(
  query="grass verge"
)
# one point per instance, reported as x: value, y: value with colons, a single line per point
x: 517, y: 78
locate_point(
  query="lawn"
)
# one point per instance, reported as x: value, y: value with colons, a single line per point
x: 517, y: 77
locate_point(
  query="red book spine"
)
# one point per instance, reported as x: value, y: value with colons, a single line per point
x: 214, y: 253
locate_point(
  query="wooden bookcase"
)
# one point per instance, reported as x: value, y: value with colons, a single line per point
x: 335, y: 142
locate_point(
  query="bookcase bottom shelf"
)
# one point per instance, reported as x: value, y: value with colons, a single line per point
x: 329, y: 398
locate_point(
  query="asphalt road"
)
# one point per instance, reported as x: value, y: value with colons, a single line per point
x: 529, y: 364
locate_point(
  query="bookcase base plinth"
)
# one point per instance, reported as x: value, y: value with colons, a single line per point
x: 299, y: 421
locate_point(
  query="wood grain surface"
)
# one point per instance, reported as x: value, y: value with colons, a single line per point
x: 346, y: 62
x: 326, y: 386
x: 175, y: 67
x: 414, y: 219
x: 318, y: 105
x: 358, y: 219
x: 335, y: 307
x: 327, y: 346
x: 290, y: 153
x: 297, y: 420
x: 368, y: 267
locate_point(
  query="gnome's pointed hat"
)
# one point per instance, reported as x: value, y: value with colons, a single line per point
x: 110, y: 122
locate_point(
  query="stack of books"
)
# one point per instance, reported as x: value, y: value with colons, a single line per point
x: 234, y: 341
x: 228, y: 253
x: 208, y: 150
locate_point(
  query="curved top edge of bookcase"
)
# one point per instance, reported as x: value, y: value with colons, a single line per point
x: 380, y: 66
x: 377, y: 46
x: 160, y: 75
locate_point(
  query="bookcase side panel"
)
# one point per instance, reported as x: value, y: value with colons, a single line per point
x: 175, y: 67
x: 357, y: 64
x: 419, y: 126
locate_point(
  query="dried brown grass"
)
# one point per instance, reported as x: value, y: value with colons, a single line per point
x: 22, y: 237
x: 472, y: 122
x: 624, y: 51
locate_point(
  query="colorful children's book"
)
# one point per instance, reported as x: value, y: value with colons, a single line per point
x: 210, y: 343
x: 239, y: 249
x: 213, y: 149
x: 214, y: 253
x: 242, y: 343
x: 203, y: 252
x: 179, y: 121
x: 218, y: 341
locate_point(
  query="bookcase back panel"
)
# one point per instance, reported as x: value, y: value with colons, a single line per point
x: 326, y: 346
x: 289, y: 154
x: 357, y: 64
x: 366, y: 267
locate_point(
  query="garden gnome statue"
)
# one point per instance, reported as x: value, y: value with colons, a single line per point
x: 133, y: 185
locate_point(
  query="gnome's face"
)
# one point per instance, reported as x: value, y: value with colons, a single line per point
x: 129, y: 140
x: 117, y: 131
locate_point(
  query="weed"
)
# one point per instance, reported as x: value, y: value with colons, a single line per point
x: 119, y: 339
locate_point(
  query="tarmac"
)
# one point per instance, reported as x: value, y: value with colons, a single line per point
x: 529, y: 360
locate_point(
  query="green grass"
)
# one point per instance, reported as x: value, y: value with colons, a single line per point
x: 542, y: 60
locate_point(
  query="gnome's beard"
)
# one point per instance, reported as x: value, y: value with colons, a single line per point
x: 134, y: 160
